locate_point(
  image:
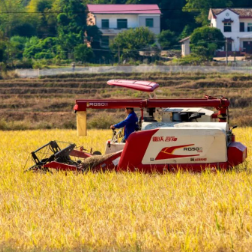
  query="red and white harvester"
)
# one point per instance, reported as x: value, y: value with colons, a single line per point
x: 186, y: 137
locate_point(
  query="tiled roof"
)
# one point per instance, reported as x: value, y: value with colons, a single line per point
x: 124, y: 8
x: 184, y: 39
x: 242, y: 12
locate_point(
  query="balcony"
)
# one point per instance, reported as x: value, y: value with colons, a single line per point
x: 112, y: 31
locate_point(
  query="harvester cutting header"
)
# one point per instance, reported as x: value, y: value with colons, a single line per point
x: 185, y: 136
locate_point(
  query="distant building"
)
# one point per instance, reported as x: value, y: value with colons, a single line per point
x: 114, y: 18
x: 185, y: 46
x: 236, y: 26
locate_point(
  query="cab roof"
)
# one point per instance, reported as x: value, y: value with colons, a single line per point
x: 144, y: 86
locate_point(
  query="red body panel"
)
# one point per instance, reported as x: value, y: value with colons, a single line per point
x: 79, y: 154
x: 145, y: 86
x: 133, y: 153
x: 237, y: 153
x: 82, y: 105
x: 61, y: 166
x: 166, y: 103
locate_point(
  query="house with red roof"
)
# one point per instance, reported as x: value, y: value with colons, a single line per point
x: 236, y: 26
x: 114, y: 18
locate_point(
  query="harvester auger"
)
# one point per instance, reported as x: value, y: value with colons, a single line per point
x: 187, y: 137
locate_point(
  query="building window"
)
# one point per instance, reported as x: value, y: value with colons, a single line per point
x: 249, y: 27
x: 242, y: 27
x: 227, y: 27
x: 105, y: 23
x: 149, y: 22
x: 105, y: 41
x: 122, y: 23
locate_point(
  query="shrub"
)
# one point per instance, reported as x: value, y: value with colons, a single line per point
x: 44, y: 55
x: 83, y: 53
x: 191, y: 59
x: 25, y: 63
x: 206, y: 40
x: 167, y: 39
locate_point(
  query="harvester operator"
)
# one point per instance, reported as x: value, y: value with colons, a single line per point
x: 129, y: 124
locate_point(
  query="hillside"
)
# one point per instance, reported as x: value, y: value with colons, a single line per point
x: 48, y: 102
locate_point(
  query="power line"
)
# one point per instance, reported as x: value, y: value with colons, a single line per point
x: 104, y: 12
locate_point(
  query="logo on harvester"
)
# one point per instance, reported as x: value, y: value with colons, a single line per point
x: 167, y: 152
x: 164, y: 139
x: 198, y: 159
x: 198, y: 149
x: 97, y: 104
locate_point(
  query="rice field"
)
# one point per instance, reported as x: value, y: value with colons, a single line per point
x: 119, y: 212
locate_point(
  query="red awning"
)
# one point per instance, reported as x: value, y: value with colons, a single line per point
x: 145, y: 86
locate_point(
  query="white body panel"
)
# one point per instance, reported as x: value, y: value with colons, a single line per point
x: 206, y: 144
x: 167, y: 114
x: 194, y: 125
x: 114, y: 147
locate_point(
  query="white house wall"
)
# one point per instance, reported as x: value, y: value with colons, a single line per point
x: 156, y: 22
x: 227, y: 14
x: 132, y: 20
x: 213, y: 23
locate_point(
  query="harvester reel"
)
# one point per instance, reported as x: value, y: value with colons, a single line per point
x: 59, y: 155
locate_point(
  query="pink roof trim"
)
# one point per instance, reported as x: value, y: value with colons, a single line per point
x: 124, y: 8
x: 145, y: 86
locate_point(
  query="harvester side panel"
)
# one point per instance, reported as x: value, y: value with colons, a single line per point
x: 140, y: 154
x: 185, y: 145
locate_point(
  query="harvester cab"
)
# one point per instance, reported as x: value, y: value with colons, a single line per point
x: 174, y: 134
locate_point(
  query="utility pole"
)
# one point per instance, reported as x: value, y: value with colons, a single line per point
x: 118, y: 55
x: 8, y: 18
x: 226, y: 51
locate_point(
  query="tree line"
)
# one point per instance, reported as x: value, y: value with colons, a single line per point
x: 57, y: 29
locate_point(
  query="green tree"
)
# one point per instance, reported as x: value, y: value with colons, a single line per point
x: 41, y: 48
x: 206, y: 40
x: 201, y: 7
x: 3, y: 56
x: 242, y: 3
x: 71, y: 23
x: 129, y: 42
x: 83, y: 53
x: 187, y: 31
x: 167, y: 39
x: 10, y: 15
x: 17, y: 45
x: 42, y: 17
x: 93, y: 35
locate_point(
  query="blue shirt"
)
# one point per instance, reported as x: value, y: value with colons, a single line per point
x: 130, y: 124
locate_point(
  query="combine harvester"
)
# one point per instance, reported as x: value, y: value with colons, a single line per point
x: 186, y: 137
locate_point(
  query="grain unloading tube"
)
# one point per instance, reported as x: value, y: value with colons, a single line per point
x: 81, y: 107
